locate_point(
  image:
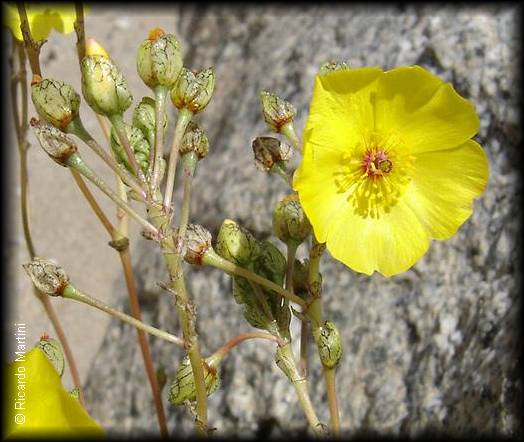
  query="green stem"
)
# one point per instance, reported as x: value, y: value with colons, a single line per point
x: 288, y: 130
x: 329, y: 377
x: 156, y: 152
x: 80, y: 31
x: 74, y: 161
x: 117, y: 121
x: 77, y: 128
x: 184, y: 117
x: 212, y: 259
x: 71, y: 292
x: 32, y: 47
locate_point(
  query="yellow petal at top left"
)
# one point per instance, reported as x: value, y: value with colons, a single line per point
x: 37, y: 405
x: 42, y: 17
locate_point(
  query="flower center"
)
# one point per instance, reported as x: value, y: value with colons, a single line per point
x: 374, y: 173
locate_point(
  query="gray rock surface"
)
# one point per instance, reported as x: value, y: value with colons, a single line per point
x: 433, y: 349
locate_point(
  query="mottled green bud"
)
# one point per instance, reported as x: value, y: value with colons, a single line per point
x: 194, y: 140
x: 144, y: 118
x: 53, y: 351
x: 183, y: 386
x: 290, y: 223
x: 268, y: 151
x: 159, y: 59
x: 75, y: 393
x: 193, y: 90
x: 47, y: 276
x: 104, y: 87
x: 55, y: 142
x: 55, y: 101
x: 329, y: 344
x: 332, y: 66
x: 277, y: 112
x: 198, y: 242
x: 235, y: 243
x: 138, y: 143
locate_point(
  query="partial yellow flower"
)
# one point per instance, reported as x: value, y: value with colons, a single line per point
x: 42, y: 17
x: 388, y: 165
x: 37, y: 405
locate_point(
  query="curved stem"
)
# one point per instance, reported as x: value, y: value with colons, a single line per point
x: 232, y: 343
x: 212, y: 259
x: 71, y: 292
x: 184, y: 117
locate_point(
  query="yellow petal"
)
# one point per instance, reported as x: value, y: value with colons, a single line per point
x: 36, y: 393
x: 444, y: 186
x: 425, y: 112
x: 390, y: 244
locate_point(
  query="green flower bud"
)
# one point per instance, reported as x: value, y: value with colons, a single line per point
x: 144, y: 118
x: 104, y: 87
x: 277, y: 112
x: 183, y: 386
x: 269, y: 151
x: 138, y: 143
x: 332, y: 66
x: 159, y: 59
x: 55, y: 143
x: 198, y: 242
x: 193, y: 90
x: 47, y: 276
x: 235, y: 243
x: 329, y: 344
x: 53, y: 351
x: 290, y: 223
x: 55, y: 101
x: 194, y: 140
x: 75, y: 392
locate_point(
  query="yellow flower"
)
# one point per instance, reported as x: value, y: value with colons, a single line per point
x: 388, y: 165
x: 37, y: 405
x: 42, y: 18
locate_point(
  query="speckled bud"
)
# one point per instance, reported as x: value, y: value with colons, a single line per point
x: 144, y: 118
x: 183, y: 386
x: 159, y: 59
x: 277, y: 112
x: 55, y: 142
x: 53, y: 351
x: 235, y: 243
x: 138, y: 143
x: 55, y: 101
x: 104, y: 87
x: 47, y: 276
x: 193, y: 90
x: 194, y: 140
x: 290, y: 223
x: 328, y: 342
x: 332, y: 66
x: 268, y: 151
x: 198, y: 242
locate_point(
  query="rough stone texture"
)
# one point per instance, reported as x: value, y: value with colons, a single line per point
x: 433, y: 349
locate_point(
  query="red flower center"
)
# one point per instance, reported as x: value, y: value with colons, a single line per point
x: 376, y: 163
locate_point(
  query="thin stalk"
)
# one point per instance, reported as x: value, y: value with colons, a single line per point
x: 32, y: 47
x: 118, y: 123
x: 78, y: 164
x: 232, y: 343
x: 77, y: 128
x: 288, y: 130
x: 315, y: 314
x: 211, y: 258
x: 92, y: 202
x: 71, y: 292
x: 184, y: 117
x: 156, y: 153
x: 125, y: 258
x: 21, y: 128
x: 80, y: 31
